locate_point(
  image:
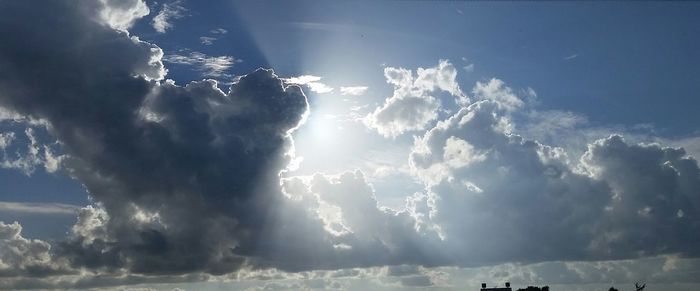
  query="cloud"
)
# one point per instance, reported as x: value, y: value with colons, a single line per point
x: 119, y: 14
x: 654, y: 196
x: 482, y: 180
x: 496, y: 89
x: 32, y: 156
x: 24, y: 257
x: 6, y: 139
x: 372, y: 236
x: 468, y: 67
x: 690, y: 144
x: 413, y: 276
x: 209, y: 66
x: 504, y: 184
x: 242, y: 136
x: 411, y: 107
x: 319, y: 87
x: 354, y: 90
x: 207, y: 40
x: 312, y: 82
x: 165, y: 164
x: 39, y: 208
x: 306, y: 285
x: 169, y: 12
x: 303, y: 79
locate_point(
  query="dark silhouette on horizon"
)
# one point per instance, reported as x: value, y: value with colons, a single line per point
x: 507, y: 288
x: 637, y: 286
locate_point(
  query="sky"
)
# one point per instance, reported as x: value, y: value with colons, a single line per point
x: 349, y: 145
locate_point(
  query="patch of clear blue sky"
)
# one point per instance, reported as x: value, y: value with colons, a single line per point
x: 617, y: 63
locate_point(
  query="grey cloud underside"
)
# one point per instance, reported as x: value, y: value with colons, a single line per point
x: 187, y: 178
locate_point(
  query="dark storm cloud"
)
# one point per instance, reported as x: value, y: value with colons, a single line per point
x: 179, y: 172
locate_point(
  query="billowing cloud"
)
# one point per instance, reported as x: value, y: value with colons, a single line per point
x: 118, y: 14
x: 167, y: 164
x: 496, y: 89
x: 362, y: 234
x: 483, y: 182
x: 169, y: 12
x: 655, y: 200
x: 20, y: 256
x: 412, y: 107
x: 540, y: 203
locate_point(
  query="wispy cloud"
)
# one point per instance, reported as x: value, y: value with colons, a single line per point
x: 312, y: 82
x: 353, y: 90
x: 211, y: 66
x: 468, y: 66
x: 303, y: 79
x: 170, y: 11
x: 320, y: 87
x: 38, y: 208
x: 215, y: 34
x: 571, y: 57
x: 322, y: 26
x: 219, y: 31
x: 207, y: 40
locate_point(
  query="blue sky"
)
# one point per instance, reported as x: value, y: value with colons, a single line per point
x: 427, y: 122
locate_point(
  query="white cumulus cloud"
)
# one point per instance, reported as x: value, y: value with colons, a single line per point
x: 412, y: 106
